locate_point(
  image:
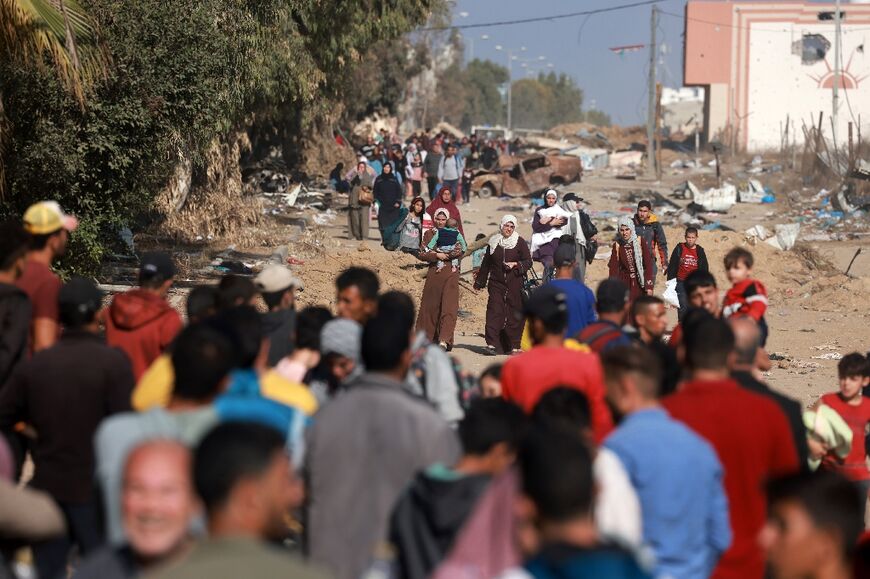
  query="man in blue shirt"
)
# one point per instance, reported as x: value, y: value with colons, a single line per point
x: 676, y: 473
x: 579, y: 298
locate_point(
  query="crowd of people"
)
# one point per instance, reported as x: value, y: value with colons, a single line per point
x: 250, y: 439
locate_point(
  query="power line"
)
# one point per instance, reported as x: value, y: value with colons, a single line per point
x: 542, y: 18
x: 737, y: 26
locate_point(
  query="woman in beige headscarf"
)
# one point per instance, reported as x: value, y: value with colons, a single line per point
x: 504, y: 268
x: 631, y: 260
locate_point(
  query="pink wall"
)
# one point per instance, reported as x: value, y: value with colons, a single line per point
x: 708, y: 43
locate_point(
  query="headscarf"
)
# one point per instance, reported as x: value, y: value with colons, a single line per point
x: 343, y: 337
x: 634, y: 240
x: 499, y: 239
x: 552, y: 192
x: 441, y: 210
x: 450, y: 206
x: 384, y: 176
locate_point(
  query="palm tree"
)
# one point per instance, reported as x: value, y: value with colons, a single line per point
x: 60, y: 31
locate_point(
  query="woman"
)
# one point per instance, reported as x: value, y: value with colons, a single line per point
x: 547, y: 227
x: 388, y: 194
x: 631, y: 260
x: 358, y: 214
x: 440, y: 302
x: 414, y: 174
x: 504, y: 266
x: 445, y: 201
x: 411, y: 235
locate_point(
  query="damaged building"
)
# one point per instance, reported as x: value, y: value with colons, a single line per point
x: 763, y: 64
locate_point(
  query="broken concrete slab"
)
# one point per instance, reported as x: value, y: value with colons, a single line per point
x: 719, y: 200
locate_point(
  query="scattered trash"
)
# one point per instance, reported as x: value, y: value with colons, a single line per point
x: 670, y: 293
x: 829, y: 356
x: 753, y: 193
x: 786, y: 236
x: 718, y: 200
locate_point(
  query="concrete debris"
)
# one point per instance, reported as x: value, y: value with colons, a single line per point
x: 785, y: 237
x: 719, y: 200
x: 753, y: 193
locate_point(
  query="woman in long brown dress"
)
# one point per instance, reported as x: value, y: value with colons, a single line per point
x: 440, y: 302
x: 631, y: 260
x: 504, y: 268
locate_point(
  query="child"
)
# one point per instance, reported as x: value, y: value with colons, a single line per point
x: 686, y: 258
x: 747, y: 296
x: 445, y: 240
x: 477, y: 257
x: 854, y: 408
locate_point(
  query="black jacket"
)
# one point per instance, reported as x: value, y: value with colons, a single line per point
x: 790, y: 407
x: 14, y: 329
x: 677, y: 255
x: 64, y: 392
x: 427, y: 519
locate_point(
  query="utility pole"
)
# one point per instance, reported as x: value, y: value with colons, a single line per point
x: 651, y: 105
x: 510, y: 88
x: 836, y: 90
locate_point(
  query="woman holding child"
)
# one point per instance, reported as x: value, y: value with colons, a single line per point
x: 440, y: 302
x: 504, y: 267
x: 548, y: 225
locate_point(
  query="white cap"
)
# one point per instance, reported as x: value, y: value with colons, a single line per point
x: 277, y: 278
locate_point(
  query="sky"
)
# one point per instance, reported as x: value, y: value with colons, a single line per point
x: 580, y: 46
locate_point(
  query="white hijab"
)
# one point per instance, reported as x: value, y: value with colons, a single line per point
x: 634, y: 240
x: 499, y: 239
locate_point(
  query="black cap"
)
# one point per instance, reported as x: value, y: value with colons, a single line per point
x: 572, y: 197
x: 82, y: 294
x: 156, y: 264
x: 546, y: 303
x: 611, y: 295
x: 566, y: 254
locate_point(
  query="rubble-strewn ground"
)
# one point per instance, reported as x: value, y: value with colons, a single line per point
x: 816, y: 312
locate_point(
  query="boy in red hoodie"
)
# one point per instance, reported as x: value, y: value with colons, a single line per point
x: 141, y: 322
x: 854, y: 408
x: 747, y: 296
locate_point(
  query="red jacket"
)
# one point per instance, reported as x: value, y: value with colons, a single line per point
x: 749, y: 297
x: 142, y: 324
x: 752, y: 438
x: 528, y: 376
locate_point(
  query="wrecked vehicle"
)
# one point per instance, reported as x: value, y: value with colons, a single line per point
x: 527, y: 176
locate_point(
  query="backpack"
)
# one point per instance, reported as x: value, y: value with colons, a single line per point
x: 468, y: 387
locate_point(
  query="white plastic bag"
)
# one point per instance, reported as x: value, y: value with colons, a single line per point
x: 670, y: 293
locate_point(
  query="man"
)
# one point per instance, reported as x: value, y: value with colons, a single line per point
x: 234, y: 291
x: 612, y: 304
x: 434, y: 508
x: 141, y: 322
x: 676, y: 473
x: 158, y: 504
x: 748, y: 431
x: 558, y: 491
x: 64, y: 392
x: 278, y: 286
x: 357, y: 294
x: 526, y: 377
x: 647, y: 225
x: 747, y: 339
x: 247, y: 484
x: 368, y: 149
x: 49, y: 227
x: 813, y: 526
x: 450, y: 170
x: 702, y: 293
x: 15, y: 310
x: 430, y: 169
x: 364, y: 449
x: 583, y: 232
x: 578, y: 297
x: 649, y: 315
x: 202, y: 358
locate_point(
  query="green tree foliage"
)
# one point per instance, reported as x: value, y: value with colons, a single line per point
x: 547, y: 101
x: 183, y: 73
x: 483, y: 101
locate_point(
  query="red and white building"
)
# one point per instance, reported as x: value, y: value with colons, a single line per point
x: 763, y: 62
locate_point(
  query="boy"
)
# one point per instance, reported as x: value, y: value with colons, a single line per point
x: 445, y: 240
x: 747, y: 296
x: 477, y: 257
x: 854, y: 408
x: 686, y: 258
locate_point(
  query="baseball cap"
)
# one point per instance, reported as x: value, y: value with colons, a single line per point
x: 566, y: 253
x: 546, y: 303
x: 156, y: 264
x: 611, y: 295
x: 82, y: 294
x: 277, y: 278
x: 47, y: 217
x: 573, y: 197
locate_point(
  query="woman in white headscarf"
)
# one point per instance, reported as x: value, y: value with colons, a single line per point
x: 631, y: 260
x: 548, y: 225
x: 504, y: 268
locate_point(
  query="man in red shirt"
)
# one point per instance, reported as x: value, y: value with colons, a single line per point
x: 526, y: 377
x: 854, y: 408
x: 141, y: 322
x: 749, y: 432
x: 50, y: 228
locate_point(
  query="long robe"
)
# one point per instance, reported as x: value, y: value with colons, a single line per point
x: 504, y: 324
x: 622, y: 266
x: 439, y: 305
x: 388, y: 193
